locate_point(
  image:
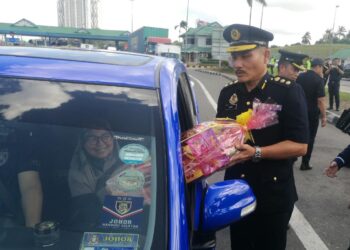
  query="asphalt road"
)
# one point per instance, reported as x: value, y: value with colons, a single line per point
x: 322, y: 201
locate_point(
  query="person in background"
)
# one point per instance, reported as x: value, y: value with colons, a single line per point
x: 342, y: 160
x: 19, y: 177
x: 290, y: 64
x: 312, y: 83
x: 264, y: 163
x: 335, y: 72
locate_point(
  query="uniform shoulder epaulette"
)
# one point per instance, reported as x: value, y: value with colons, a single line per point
x: 281, y: 81
x: 231, y: 83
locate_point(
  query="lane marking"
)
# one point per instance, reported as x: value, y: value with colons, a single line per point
x: 206, y: 92
x: 305, y: 232
x: 302, y: 228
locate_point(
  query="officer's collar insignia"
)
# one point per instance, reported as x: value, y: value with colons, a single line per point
x: 233, y: 99
x: 283, y: 81
x: 235, y: 35
x: 277, y: 78
x: 288, y: 82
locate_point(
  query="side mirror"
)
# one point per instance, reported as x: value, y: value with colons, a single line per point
x: 226, y: 202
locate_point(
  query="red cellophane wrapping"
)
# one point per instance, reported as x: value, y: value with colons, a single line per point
x: 208, y: 146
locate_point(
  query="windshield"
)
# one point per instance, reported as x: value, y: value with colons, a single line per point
x: 80, y: 166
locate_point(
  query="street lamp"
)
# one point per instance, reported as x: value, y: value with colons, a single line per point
x: 332, y: 37
x: 335, y: 14
x: 132, y: 15
x: 185, y: 41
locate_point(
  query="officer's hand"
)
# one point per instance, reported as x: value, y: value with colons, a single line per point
x: 331, y: 170
x: 244, y: 152
x: 323, y: 121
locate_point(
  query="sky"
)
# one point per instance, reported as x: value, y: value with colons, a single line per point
x: 288, y: 20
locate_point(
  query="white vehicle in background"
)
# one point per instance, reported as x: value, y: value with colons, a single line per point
x: 168, y: 50
x: 86, y: 46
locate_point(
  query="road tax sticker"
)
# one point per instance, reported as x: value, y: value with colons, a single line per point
x: 122, y: 212
x: 109, y: 241
x: 133, y: 153
x: 129, y: 180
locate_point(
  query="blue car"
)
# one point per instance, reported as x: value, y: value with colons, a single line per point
x: 90, y: 155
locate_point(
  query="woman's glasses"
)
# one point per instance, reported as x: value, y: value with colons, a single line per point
x: 93, y: 139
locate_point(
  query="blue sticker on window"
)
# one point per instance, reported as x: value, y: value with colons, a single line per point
x: 109, y: 241
x: 122, y: 212
x: 133, y: 154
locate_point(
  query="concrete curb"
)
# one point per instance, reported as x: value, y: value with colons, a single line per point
x: 226, y: 76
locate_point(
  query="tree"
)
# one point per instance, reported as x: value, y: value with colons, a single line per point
x: 250, y: 3
x: 306, y: 38
x: 341, y: 32
x: 182, y: 25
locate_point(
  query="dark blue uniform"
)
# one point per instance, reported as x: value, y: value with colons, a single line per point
x: 271, y: 180
x: 333, y: 87
x: 343, y: 158
x: 313, y: 87
x: 16, y: 156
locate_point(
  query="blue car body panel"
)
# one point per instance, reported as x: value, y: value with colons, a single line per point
x: 178, y: 230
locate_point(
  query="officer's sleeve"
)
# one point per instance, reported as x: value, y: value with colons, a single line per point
x: 320, y: 88
x: 27, y: 152
x: 343, y: 158
x: 295, y: 125
x: 220, y: 105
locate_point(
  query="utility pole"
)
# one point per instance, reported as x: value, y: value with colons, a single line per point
x: 185, y: 41
x: 332, y: 38
x: 132, y: 15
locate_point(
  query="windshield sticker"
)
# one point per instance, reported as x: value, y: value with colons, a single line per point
x: 128, y: 138
x: 109, y: 241
x: 122, y: 212
x: 130, y: 180
x: 133, y: 153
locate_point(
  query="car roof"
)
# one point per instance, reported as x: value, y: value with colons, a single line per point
x: 101, y: 67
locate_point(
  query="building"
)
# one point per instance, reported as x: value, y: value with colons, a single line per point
x: 77, y: 13
x: 144, y: 39
x: 204, y: 42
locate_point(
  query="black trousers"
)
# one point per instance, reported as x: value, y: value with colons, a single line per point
x: 261, y: 231
x: 333, y: 91
x: 313, y: 126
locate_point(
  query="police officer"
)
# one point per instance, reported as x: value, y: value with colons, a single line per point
x: 19, y: 178
x: 312, y: 83
x: 265, y: 163
x: 290, y: 64
x: 335, y: 72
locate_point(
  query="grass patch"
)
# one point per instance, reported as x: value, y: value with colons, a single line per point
x: 344, y: 99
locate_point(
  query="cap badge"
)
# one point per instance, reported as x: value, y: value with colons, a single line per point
x: 233, y: 99
x: 235, y: 35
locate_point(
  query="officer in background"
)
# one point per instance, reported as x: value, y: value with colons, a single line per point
x: 290, y: 64
x: 312, y: 83
x: 265, y: 163
x: 19, y: 178
x: 335, y: 72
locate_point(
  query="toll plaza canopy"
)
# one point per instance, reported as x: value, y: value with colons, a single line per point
x: 27, y: 28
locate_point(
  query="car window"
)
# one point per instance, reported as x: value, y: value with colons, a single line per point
x: 187, y: 108
x: 93, y: 157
